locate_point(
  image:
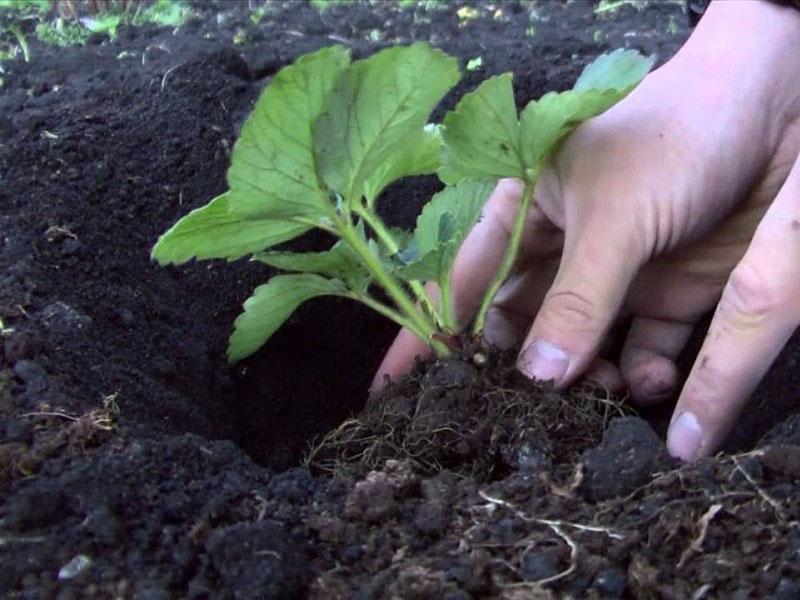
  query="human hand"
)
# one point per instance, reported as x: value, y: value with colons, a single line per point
x: 683, y: 196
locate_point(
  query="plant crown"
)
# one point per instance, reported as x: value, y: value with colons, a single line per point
x: 325, y: 139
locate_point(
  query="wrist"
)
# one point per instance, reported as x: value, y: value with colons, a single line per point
x: 748, y: 29
x: 741, y: 63
x: 748, y: 49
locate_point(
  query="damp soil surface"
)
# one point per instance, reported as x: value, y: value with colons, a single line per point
x: 134, y: 463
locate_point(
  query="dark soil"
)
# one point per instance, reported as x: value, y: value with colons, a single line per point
x: 135, y: 464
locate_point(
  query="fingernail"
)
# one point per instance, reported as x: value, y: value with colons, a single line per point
x: 685, y: 436
x: 380, y: 381
x: 544, y: 361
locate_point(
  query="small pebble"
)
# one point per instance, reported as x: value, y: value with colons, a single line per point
x: 124, y: 316
x: 16, y: 431
x: 75, y: 567
x: 479, y: 359
x: 32, y: 375
x: 537, y: 566
x: 21, y: 345
x: 610, y: 583
x: 787, y: 590
x: 69, y: 247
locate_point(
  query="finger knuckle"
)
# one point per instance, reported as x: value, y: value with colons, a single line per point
x: 752, y: 295
x: 707, y: 379
x: 571, y: 310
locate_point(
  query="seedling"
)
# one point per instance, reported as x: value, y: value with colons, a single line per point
x: 25, y: 6
x: 59, y: 32
x: 106, y: 23
x: 68, y: 30
x: 326, y: 138
x: 166, y: 13
x: 257, y: 14
x: 12, y: 35
x: 323, y: 5
x: 14, y: 30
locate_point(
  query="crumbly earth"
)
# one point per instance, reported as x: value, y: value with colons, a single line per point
x: 135, y: 464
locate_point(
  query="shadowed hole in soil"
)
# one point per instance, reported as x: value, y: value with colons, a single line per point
x: 315, y: 371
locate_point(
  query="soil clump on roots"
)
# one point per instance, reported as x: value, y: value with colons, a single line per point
x: 472, y: 414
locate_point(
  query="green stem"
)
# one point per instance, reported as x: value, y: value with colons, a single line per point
x: 386, y: 311
x: 438, y: 346
x: 446, y: 304
x: 422, y: 327
x: 510, y: 255
x: 387, y: 239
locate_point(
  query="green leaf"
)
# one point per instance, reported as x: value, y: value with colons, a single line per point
x: 211, y: 231
x: 378, y: 104
x: 419, y: 156
x: 168, y: 13
x: 340, y: 262
x: 463, y: 202
x: 272, y: 172
x: 432, y: 266
x: 269, y: 307
x: 544, y: 123
x: 617, y: 70
x: 481, y: 136
x: 442, y: 227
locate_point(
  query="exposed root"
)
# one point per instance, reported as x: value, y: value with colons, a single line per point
x: 776, y: 506
x: 696, y: 546
x: 79, y: 433
x: 549, y: 522
x: 557, y: 527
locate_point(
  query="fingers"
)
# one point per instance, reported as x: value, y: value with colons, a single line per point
x: 757, y: 313
x: 647, y: 362
x: 606, y: 374
x: 399, y: 359
x: 601, y: 257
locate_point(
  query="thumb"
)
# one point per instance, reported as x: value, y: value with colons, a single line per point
x: 602, y: 255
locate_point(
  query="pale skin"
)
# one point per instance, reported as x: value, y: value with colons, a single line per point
x: 683, y: 198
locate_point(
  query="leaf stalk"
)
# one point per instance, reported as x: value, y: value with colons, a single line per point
x: 446, y: 304
x: 387, y: 239
x: 511, y: 251
x: 416, y: 319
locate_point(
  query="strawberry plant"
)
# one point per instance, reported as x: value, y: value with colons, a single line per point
x: 325, y: 139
